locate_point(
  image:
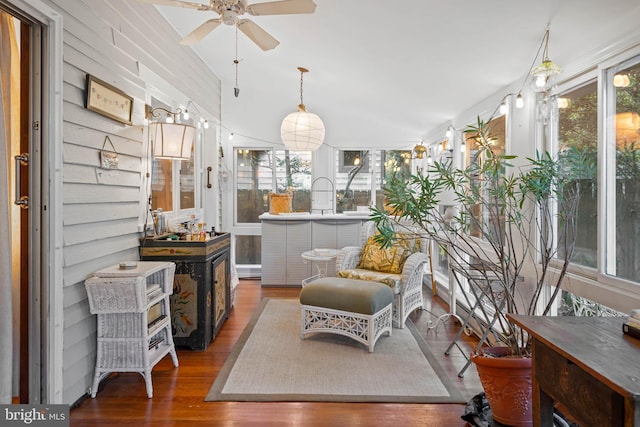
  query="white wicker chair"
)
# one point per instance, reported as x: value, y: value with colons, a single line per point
x: 406, y: 286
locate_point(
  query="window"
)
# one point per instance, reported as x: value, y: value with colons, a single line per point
x: 611, y: 172
x: 622, y: 170
x: 578, y: 133
x: 487, y: 220
x: 259, y: 172
x: 173, y: 182
x: 293, y: 173
x: 359, y: 184
x: 394, y: 163
x: 254, y: 181
x: 353, y: 180
x: 162, y: 185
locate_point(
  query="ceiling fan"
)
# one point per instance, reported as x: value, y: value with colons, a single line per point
x: 230, y: 10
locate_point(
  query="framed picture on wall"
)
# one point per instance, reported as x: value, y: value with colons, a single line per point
x: 108, y: 100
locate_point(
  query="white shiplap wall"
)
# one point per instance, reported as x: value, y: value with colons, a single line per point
x: 109, y: 39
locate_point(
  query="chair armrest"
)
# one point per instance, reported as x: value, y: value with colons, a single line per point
x: 348, y: 258
x: 413, y: 268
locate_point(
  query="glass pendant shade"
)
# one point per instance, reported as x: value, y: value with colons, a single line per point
x: 302, y: 131
x: 172, y: 140
x: 545, y: 70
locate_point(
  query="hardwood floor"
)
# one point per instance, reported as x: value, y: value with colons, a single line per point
x: 179, y: 393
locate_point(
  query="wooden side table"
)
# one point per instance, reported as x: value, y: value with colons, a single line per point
x: 586, y: 364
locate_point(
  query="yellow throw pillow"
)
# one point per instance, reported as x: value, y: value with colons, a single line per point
x: 390, y: 260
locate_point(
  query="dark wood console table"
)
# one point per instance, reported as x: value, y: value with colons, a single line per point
x: 201, y: 297
x: 588, y: 366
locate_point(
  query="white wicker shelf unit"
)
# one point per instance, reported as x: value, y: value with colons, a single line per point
x: 133, y: 319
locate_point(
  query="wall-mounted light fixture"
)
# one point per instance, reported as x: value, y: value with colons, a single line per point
x: 202, y: 122
x: 419, y: 150
x: 170, y: 140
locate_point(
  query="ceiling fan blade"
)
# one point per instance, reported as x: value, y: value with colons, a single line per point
x: 198, y: 34
x: 190, y: 5
x: 283, y: 7
x: 259, y: 36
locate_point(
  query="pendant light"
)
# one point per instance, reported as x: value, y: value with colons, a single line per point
x: 547, y: 68
x: 301, y: 130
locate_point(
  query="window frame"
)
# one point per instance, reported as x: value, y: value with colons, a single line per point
x: 176, y: 214
x: 617, y: 293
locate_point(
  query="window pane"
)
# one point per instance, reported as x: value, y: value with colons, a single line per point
x: 487, y: 219
x: 253, y: 182
x: 248, y: 250
x: 578, y: 131
x: 187, y: 188
x: 394, y: 163
x: 162, y: 185
x: 626, y: 84
x: 293, y: 173
x: 353, y: 180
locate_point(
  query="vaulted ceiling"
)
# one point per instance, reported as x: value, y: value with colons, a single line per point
x: 388, y: 73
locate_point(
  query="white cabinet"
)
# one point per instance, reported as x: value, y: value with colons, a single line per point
x: 335, y: 234
x: 284, y: 241
x: 133, y: 319
x: 282, y: 244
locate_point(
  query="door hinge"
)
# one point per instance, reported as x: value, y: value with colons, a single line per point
x: 36, y: 125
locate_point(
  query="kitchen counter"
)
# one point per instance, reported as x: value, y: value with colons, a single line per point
x: 285, y: 237
x: 302, y: 216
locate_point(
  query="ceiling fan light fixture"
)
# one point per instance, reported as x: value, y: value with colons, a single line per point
x: 302, y: 130
x: 230, y: 11
x: 229, y: 17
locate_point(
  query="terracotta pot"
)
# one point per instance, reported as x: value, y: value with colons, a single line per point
x: 507, y: 384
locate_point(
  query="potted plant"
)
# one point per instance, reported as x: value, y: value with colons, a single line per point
x: 506, y: 225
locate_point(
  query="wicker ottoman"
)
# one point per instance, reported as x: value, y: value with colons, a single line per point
x: 358, y: 309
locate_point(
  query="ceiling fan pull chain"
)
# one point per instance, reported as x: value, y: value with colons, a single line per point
x: 236, y: 89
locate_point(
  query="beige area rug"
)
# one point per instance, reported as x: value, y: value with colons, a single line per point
x: 271, y: 363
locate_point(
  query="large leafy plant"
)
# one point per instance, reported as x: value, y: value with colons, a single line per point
x: 505, y: 224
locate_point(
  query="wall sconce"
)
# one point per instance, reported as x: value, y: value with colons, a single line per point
x: 170, y: 140
x: 419, y: 150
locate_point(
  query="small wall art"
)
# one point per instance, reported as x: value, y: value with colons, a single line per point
x: 108, y: 100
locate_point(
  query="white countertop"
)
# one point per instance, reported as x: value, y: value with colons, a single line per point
x: 306, y: 216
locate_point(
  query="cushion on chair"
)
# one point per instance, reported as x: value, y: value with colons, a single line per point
x: 390, y: 279
x: 389, y: 260
x: 354, y: 296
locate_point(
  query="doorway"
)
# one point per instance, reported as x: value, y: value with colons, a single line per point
x: 21, y: 101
